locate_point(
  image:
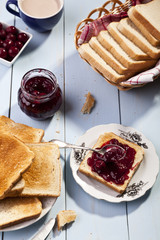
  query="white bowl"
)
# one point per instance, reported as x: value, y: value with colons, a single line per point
x: 9, y: 63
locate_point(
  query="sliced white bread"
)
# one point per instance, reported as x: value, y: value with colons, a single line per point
x: 21, y: 131
x: 111, y: 45
x: 142, y: 28
x: 64, y: 217
x: 129, y: 29
x: 43, y: 178
x: 128, y: 46
x: 99, y: 64
x: 17, y: 210
x: 86, y: 169
x: 148, y: 15
x: 107, y: 56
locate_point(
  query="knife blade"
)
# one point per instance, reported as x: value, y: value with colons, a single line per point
x: 45, y: 230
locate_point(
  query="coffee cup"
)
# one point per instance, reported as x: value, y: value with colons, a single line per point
x: 40, y: 15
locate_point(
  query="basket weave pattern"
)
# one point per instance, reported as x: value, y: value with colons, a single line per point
x: 116, y: 7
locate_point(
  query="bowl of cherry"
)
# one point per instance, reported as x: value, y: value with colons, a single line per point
x: 12, y: 43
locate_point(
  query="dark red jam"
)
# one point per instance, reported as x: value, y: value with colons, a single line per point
x: 114, y: 165
x: 39, y: 95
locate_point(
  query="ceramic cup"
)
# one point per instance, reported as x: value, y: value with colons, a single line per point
x: 40, y: 15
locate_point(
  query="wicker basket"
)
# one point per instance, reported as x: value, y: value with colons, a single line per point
x: 116, y: 7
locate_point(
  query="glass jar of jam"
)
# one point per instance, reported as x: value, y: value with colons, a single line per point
x: 39, y: 95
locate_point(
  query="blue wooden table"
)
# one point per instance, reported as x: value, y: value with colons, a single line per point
x: 139, y: 108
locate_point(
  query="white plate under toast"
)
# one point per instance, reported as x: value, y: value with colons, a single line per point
x: 142, y: 180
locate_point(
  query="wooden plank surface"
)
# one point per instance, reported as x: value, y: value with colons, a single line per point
x: 139, y: 108
x: 96, y: 218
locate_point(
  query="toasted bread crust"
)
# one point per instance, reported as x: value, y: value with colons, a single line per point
x: 85, y: 169
x: 43, y: 178
x: 17, y: 188
x: 15, y: 159
x: 17, y: 210
x: 21, y: 131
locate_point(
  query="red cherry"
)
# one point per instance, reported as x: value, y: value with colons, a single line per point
x: 11, y: 36
x: 9, y: 58
x: 22, y: 37
x: 1, y: 43
x: 12, y: 29
x: 2, y: 34
x: 8, y: 43
x: 19, y: 44
x: 13, y: 51
x: 3, y: 53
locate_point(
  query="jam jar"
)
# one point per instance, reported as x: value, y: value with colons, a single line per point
x: 39, y: 95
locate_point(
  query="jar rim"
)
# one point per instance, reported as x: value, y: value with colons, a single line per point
x: 48, y: 73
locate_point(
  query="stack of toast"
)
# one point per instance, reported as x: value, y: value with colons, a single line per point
x: 30, y: 169
x: 130, y: 46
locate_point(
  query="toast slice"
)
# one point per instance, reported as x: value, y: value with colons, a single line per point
x: 107, y: 56
x: 86, y: 169
x: 129, y: 29
x: 154, y: 41
x: 128, y: 46
x: 15, y: 159
x: 17, y: 188
x: 43, y: 178
x: 17, y: 210
x: 99, y: 64
x: 64, y: 217
x: 21, y: 131
x: 148, y: 15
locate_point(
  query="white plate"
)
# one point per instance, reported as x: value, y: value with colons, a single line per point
x: 47, y: 204
x: 142, y: 180
x: 8, y: 63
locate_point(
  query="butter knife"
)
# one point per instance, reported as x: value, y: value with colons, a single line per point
x: 45, y: 230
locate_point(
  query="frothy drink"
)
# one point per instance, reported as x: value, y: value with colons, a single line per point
x: 40, y: 8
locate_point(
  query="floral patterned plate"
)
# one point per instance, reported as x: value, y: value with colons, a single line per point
x: 142, y: 180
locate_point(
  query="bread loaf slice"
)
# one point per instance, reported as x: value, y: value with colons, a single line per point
x: 43, y: 178
x: 129, y: 29
x: 99, y: 64
x: 86, y: 169
x: 15, y: 159
x: 111, y: 45
x: 128, y: 46
x: 107, y: 56
x: 17, y: 189
x: 148, y: 15
x: 17, y: 210
x: 21, y: 131
x: 64, y: 217
x: 154, y: 41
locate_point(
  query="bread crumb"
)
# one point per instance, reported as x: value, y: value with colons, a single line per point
x: 89, y: 104
x: 64, y: 217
